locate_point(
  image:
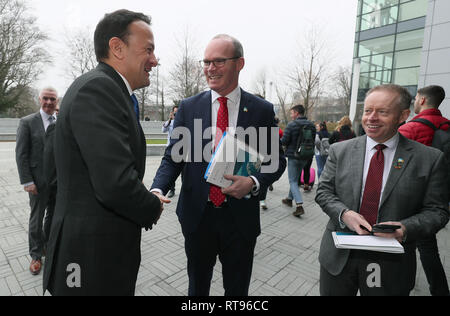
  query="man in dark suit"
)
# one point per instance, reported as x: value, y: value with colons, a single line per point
x: 30, y: 164
x: 380, y: 178
x: 217, y: 222
x: 102, y: 204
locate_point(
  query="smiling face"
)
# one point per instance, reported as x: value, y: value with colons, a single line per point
x: 382, y: 115
x: 223, y: 79
x: 138, y: 55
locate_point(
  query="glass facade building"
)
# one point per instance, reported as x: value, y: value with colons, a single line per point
x: 388, y: 43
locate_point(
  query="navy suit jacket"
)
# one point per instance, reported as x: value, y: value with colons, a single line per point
x: 253, y: 112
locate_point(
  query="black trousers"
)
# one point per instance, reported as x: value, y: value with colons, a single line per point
x: 372, y: 274
x: 41, y: 205
x: 217, y: 236
x: 432, y: 265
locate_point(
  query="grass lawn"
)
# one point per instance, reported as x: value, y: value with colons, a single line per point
x: 156, y: 141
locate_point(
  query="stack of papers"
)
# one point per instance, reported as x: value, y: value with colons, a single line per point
x: 370, y: 243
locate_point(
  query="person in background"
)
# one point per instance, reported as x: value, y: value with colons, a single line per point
x: 322, y: 146
x: 343, y: 131
x: 30, y: 164
x: 168, y: 128
x: 426, y: 106
x: 263, y: 193
x: 295, y: 166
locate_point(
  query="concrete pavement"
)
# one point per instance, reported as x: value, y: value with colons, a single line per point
x: 286, y: 256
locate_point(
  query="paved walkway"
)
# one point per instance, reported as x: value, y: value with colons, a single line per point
x: 286, y: 257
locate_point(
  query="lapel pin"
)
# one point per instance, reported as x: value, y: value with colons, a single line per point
x: 245, y: 110
x: 399, y: 164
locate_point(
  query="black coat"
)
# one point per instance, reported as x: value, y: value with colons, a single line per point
x: 102, y: 204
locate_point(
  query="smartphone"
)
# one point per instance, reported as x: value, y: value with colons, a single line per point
x: 383, y: 228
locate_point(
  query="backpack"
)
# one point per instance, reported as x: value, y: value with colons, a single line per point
x: 441, y: 139
x: 304, y: 149
x: 324, y: 146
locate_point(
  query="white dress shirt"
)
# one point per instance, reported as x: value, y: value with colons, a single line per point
x: 45, y: 119
x: 233, y: 103
x: 389, y: 154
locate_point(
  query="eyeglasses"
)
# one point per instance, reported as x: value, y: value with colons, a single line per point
x: 47, y: 98
x: 218, y: 63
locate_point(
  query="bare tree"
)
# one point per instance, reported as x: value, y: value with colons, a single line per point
x: 282, y: 100
x: 260, y: 84
x: 186, y: 76
x: 80, y: 49
x: 342, y: 82
x: 309, y: 72
x: 22, y: 53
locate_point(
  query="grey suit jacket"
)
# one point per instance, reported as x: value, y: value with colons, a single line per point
x: 415, y: 194
x: 30, y: 149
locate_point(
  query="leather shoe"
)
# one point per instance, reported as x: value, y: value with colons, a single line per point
x: 287, y: 202
x: 299, y: 211
x: 35, y: 267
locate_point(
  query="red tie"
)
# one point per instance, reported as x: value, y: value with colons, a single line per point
x: 372, y: 190
x: 215, y: 194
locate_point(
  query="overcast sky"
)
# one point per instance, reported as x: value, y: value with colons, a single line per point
x: 269, y: 30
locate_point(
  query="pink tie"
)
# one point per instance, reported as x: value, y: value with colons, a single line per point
x: 215, y: 194
x: 372, y: 190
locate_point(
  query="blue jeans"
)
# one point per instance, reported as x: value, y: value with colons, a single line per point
x: 321, y: 160
x: 295, y: 168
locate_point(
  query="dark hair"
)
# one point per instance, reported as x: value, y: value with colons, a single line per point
x: 323, y: 126
x: 300, y: 109
x: 404, y: 97
x: 434, y: 95
x: 115, y: 24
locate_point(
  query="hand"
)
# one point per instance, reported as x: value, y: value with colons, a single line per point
x: 354, y: 221
x: 31, y: 189
x: 163, y: 201
x: 241, y: 186
x: 399, y: 234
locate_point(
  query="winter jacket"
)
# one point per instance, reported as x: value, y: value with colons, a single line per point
x: 291, y: 134
x: 420, y: 132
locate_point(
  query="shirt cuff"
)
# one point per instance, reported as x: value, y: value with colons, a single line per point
x: 28, y: 184
x: 157, y: 191
x: 256, y: 186
x: 341, y: 222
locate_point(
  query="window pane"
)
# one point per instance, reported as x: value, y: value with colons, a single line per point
x: 379, y: 18
x: 408, y: 58
x: 406, y: 77
x: 373, y: 79
x: 413, y: 9
x: 374, y: 5
x: 376, y: 63
x: 376, y: 46
x: 408, y: 40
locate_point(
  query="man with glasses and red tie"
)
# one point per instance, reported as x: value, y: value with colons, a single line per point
x: 30, y: 164
x: 217, y: 222
x: 381, y: 178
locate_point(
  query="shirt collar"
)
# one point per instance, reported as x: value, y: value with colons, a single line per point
x: 391, y: 143
x: 44, y: 115
x: 234, y: 96
x: 126, y: 83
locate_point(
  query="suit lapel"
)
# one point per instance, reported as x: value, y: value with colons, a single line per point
x: 39, y: 125
x: 357, y: 158
x: 245, y: 108
x: 404, y: 152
